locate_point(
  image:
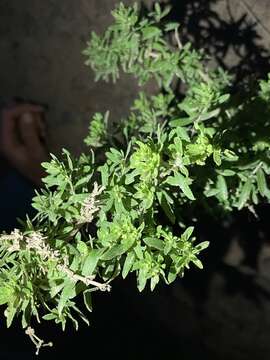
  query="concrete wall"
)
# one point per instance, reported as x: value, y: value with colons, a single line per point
x: 40, y: 54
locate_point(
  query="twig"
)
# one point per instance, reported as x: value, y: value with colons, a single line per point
x: 177, y: 38
x: 86, y: 280
x: 257, y: 168
x: 39, y: 343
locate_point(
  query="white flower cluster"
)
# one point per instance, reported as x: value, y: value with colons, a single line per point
x: 37, y: 242
x: 90, y: 205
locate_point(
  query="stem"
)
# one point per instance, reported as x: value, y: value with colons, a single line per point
x: 86, y: 280
x: 39, y: 343
x: 177, y: 38
x: 257, y: 168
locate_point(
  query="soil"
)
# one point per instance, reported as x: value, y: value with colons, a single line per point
x: 222, y: 312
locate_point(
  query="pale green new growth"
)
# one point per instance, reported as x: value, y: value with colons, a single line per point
x: 133, y: 210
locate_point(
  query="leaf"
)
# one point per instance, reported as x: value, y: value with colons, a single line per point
x: 56, y: 289
x: 165, y: 201
x: 154, y: 281
x: 197, y: 262
x: 245, y: 194
x: 70, y: 164
x: 182, y: 133
x: 87, y: 298
x: 187, y: 234
x: 128, y: 264
x: 181, y: 181
x: 182, y: 122
x: 150, y: 32
x: 171, y: 26
x: 217, y: 156
x: 141, y: 280
x: 222, y: 187
x: 226, y: 172
x: 130, y: 177
x: 230, y: 155
x: 172, y: 274
x: 157, y: 8
x: 91, y: 261
x: 104, y: 170
x: 115, y: 251
x: 209, y: 115
x: 211, y: 192
x: 261, y: 181
x: 6, y: 294
x: 68, y: 292
x: 50, y: 316
x: 202, y: 246
x: 83, y: 181
x: 10, y: 312
x: 154, y: 243
x: 82, y: 248
x: 223, y: 98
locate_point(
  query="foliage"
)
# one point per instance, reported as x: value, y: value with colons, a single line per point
x: 190, y: 146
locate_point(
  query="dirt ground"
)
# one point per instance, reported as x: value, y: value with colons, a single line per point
x: 40, y: 46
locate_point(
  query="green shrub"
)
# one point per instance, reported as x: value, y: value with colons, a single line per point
x: 130, y: 203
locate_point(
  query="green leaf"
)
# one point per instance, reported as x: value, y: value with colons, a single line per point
x: 83, y: 181
x: 55, y: 289
x: 261, y: 181
x: 182, y: 133
x: 87, y: 298
x: 245, y: 194
x: 222, y: 187
x: 82, y: 248
x: 6, y: 294
x: 226, y: 172
x: 150, y: 32
x: 171, y: 26
x: 182, y: 122
x: 68, y: 292
x: 10, y: 312
x: 223, y: 98
x: 187, y: 234
x: 165, y: 201
x: 70, y: 164
x: 91, y: 261
x: 202, y: 246
x: 172, y: 274
x: 210, y: 115
x: 49, y: 317
x: 104, y: 170
x: 182, y: 182
x: 211, y: 192
x: 157, y: 8
x: 154, y: 243
x: 217, y: 156
x: 153, y: 282
x: 141, y: 280
x: 130, y: 258
x: 230, y: 155
x: 114, y: 252
x: 197, y: 262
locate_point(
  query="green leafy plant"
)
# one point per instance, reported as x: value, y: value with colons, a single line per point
x: 132, y: 209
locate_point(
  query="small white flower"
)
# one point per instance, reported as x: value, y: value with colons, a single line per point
x: 90, y: 205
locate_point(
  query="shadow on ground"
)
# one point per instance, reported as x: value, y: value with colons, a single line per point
x: 229, y: 31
